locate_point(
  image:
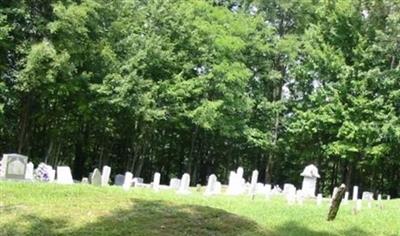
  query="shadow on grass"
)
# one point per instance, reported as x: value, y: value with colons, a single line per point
x: 146, y: 217
x: 293, y: 228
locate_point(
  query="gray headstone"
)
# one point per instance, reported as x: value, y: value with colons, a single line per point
x: 15, y: 166
x: 85, y: 180
x: 64, y: 175
x: 105, y: 177
x: 119, y: 180
x: 95, y: 178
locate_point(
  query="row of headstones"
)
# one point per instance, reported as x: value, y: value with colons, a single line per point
x: 366, y: 196
x: 16, y: 166
x: 127, y: 181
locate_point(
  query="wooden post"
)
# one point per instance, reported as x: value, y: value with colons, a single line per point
x: 336, y: 200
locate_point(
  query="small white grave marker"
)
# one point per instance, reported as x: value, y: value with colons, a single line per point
x: 185, y: 182
x: 253, y: 184
x: 64, y: 175
x: 156, y: 181
x: 127, y: 181
x: 358, y: 205
x: 105, y: 177
x: 346, y: 198
x: 319, y: 199
x: 355, y: 193
x: 211, y: 185
x: 29, y: 171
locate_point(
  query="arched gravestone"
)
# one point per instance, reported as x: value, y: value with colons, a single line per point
x: 310, y: 175
x: 95, y: 178
x: 15, y: 166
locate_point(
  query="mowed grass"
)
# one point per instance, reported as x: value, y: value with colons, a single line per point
x: 50, y: 209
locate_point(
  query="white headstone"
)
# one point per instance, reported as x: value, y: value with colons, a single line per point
x: 267, y: 189
x: 319, y: 199
x: 240, y: 171
x: 85, y: 180
x: 358, y: 204
x: 355, y: 193
x: 388, y: 197
x: 253, y: 184
x: 309, y: 184
x: 300, y: 197
x: 137, y: 181
x: 156, y: 181
x: 211, y: 185
x: 29, y: 171
x: 95, y: 178
x: 379, y: 197
x: 291, y: 196
x: 260, y: 188
x: 217, y: 188
x: 64, y: 175
x: 231, y: 183
x: 127, y: 180
x: 105, y: 177
x: 3, y: 162
x: 288, y: 189
x: 15, y: 167
x: 52, y: 175
x: 346, y: 198
x: 184, y: 186
x: 236, y: 182
x: 174, y: 183
x: 367, y: 196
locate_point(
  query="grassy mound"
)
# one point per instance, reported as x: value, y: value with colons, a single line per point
x: 49, y: 209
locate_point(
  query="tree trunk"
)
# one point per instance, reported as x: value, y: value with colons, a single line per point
x: 24, y: 124
x: 80, y: 154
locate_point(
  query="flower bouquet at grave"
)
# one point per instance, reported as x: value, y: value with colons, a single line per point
x: 42, y: 172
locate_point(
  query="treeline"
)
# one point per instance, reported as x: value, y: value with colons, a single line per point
x: 204, y: 87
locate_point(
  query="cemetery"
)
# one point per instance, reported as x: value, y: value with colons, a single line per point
x: 200, y: 117
x: 47, y: 201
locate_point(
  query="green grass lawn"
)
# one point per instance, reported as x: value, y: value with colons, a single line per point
x: 49, y: 209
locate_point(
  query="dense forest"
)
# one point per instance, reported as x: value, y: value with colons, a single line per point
x: 205, y: 86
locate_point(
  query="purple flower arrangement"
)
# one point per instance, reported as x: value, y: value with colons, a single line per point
x: 42, y: 172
